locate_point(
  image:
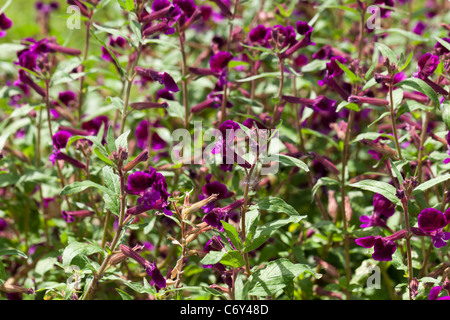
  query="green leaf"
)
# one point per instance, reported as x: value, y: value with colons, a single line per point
x: 212, y: 257
x: 112, y: 180
x: 78, y: 248
x: 396, y: 173
x: 445, y: 107
x: 383, y: 188
x: 387, y: 52
x: 264, y: 232
x: 316, y: 65
x: 261, y: 75
x: 353, y: 78
x: 110, y: 140
x: 430, y: 183
x: 122, y: 140
x: 232, y: 258
x: 287, y: 160
x: 274, y: 204
x: 102, y: 155
x: 80, y: 186
x: 124, y: 295
x: 324, y: 181
x: 12, y: 252
x: 275, y: 276
x: 251, y: 223
x: 232, y: 234
x: 348, y: 105
x: 417, y: 84
x: 408, y: 60
x: 444, y: 43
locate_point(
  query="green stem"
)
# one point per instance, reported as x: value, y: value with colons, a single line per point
x: 394, y: 128
x: 345, y: 156
x: 129, y: 83
x: 408, y: 246
x: 82, y: 79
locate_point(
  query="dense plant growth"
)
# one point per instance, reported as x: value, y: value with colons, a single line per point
x: 241, y: 150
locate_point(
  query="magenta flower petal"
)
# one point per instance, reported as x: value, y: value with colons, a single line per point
x: 431, y: 219
x: 383, y: 249
x: 60, y: 139
x: 219, y: 61
x: 367, y: 242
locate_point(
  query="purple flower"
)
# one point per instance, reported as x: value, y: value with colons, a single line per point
x: 431, y: 224
x: 152, y: 270
x: 384, y: 247
x: 157, y: 278
x: 214, y: 217
x: 117, y: 42
x: 281, y: 37
x: 67, y: 98
x: 382, y: 210
x: 427, y: 65
x: 152, y: 190
x: 419, y: 28
x: 46, y: 8
x: 303, y: 27
x: 219, y: 61
x: 60, y: 139
x: 162, y: 77
x: 143, y: 135
x: 434, y: 294
x: 3, y: 224
x: 333, y: 70
x: 5, y: 24
x: 211, y: 188
x: 440, y: 49
x: 258, y: 35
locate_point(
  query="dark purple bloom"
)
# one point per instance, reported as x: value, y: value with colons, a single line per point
x: 152, y: 190
x: 67, y: 98
x: 5, y: 24
x: 303, y: 27
x: 434, y: 294
x: 427, y: 65
x: 164, y: 94
x: 440, y: 49
x: 382, y: 210
x: 139, y: 181
x: 384, y: 247
x: 219, y: 61
x: 333, y: 69
x: 419, y: 28
x: 144, y: 133
x: 431, y: 224
x: 60, y: 139
x: 214, y: 217
x: 3, y: 224
x: 152, y: 270
x: 281, y: 37
x: 157, y: 278
x: 162, y: 77
x: 211, y: 188
x: 258, y: 35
